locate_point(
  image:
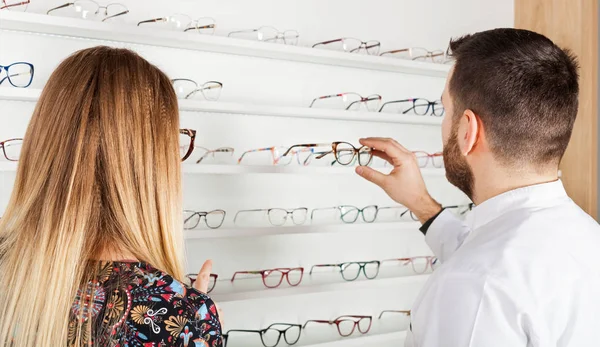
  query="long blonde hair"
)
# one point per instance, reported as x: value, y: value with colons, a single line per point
x: 99, y: 168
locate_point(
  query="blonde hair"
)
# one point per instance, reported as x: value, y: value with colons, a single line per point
x: 99, y: 168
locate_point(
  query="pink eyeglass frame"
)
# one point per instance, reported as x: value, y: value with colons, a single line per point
x: 265, y: 273
x: 341, y: 319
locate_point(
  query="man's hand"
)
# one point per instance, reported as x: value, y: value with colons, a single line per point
x: 405, y: 183
x: 203, y: 282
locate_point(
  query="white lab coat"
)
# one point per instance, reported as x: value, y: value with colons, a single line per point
x: 523, y: 270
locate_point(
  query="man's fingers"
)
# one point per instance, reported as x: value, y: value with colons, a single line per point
x: 371, y: 175
x: 383, y: 156
x: 203, y: 280
x: 389, y: 146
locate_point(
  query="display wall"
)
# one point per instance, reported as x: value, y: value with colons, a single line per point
x: 265, y: 98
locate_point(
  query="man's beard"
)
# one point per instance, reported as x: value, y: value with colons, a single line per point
x: 458, y: 171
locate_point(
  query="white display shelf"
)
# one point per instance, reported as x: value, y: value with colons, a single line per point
x: 394, y: 339
x: 380, y: 335
x: 31, y: 94
x: 252, y: 288
x: 303, y: 229
x: 130, y: 33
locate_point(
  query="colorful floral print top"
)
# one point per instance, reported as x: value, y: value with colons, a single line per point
x: 136, y: 305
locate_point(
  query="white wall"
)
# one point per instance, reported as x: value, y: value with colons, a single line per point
x: 396, y: 24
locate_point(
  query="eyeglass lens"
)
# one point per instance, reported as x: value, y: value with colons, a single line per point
x: 12, y: 149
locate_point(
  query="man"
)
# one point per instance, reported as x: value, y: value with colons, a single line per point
x: 524, y: 268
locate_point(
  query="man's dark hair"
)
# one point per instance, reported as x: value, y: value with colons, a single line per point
x: 523, y: 87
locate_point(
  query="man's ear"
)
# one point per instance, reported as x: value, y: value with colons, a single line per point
x: 468, y: 132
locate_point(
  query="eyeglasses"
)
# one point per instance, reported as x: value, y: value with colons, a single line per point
x: 272, y: 278
x: 186, y: 88
x: 213, y: 219
x: 12, y: 149
x: 347, y: 324
x: 88, y: 9
x: 221, y: 154
x: 418, y: 106
x: 423, y: 159
x: 13, y: 5
x: 271, y: 336
x: 349, y: 214
x: 268, y: 34
x: 419, y: 264
x: 461, y: 209
x: 204, y: 25
x: 279, y: 216
x: 403, y: 312
x: 351, y: 270
x: 418, y: 54
x: 344, y: 152
x: 187, y: 137
x: 352, y: 45
x: 211, y: 285
x: 272, y: 156
x: 348, y: 101
x: 19, y: 74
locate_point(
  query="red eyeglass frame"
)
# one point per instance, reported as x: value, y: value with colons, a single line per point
x: 265, y: 273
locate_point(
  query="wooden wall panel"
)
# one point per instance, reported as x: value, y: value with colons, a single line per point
x: 574, y: 24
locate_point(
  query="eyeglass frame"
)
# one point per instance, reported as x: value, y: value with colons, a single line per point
x: 344, y: 265
x: 97, y: 11
x: 334, y: 145
x: 431, y: 260
x: 412, y: 215
x: 429, y: 54
x: 199, y: 88
x: 270, y: 327
x: 280, y: 34
x: 268, y: 210
x: 284, y: 273
x: 214, y: 278
x: 363, y: 44
x: 192, y: 134
x: 362, y: 99
x: 204, y: 214
x: 404, y: 312
x: 430, y: 105
x: 188, y: 25
x: 2, y: 144
x: 6, y: 67
x: 469, y: 207
x: 360, y: 212
x: 429, y: 156
x: 6, y: 6
x: 213, y: 151
x: 338, y: 320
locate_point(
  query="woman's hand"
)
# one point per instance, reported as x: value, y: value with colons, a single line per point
x: 203, y: 282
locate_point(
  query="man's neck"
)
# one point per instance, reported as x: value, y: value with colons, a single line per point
x: 502, y: 181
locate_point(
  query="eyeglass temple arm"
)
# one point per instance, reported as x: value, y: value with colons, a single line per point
x: 353, y: 316
x: 407, y: 313
x: 325, y: 97
x: 252, y: 151
x: 246, y: 273
x: 116, y: 15
x: 218, y: 150
x: 244, y: 331
x: 244, y: 211
x: 326, y: 42
x: 154, y: 20
x: 393, y: 102
x: 317, y: 321
x: 322, y: 265
x: 242, y: 31
x: 395, y: 51
x: 209, y: 26
x: 59, y: 7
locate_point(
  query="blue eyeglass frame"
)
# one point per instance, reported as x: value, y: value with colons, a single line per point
x: 7, y: 67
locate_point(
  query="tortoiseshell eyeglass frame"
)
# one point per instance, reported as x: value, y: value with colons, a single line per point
x: 355, y: 319
x: 334, y: 149
x: 211, y: 286
x: 192, y: 134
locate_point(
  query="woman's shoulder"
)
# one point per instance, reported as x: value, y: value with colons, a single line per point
x: 163, y: 309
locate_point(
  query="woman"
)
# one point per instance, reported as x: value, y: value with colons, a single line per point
x: 95, y: 216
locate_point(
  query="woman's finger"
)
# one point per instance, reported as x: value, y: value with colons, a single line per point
x: 203, y: 280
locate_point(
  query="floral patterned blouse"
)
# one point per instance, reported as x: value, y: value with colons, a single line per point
x: 136, y: 305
